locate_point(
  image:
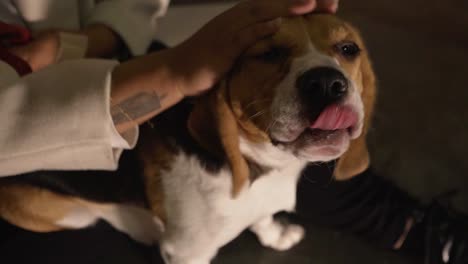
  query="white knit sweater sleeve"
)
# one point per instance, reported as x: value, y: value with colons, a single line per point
x: 59, y: 119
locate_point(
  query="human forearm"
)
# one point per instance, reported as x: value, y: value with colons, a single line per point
x: 142, y: 88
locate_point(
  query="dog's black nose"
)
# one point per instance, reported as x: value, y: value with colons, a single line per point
x: 323, y: 84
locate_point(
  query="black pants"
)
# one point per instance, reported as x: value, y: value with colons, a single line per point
x: 366, y: 205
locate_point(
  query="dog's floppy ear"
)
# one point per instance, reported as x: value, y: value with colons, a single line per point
x: 213, y: 124
x: 356, y: 159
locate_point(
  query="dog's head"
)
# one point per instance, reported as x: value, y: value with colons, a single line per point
x: 306, y: 93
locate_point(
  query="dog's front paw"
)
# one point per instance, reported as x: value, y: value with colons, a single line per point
x: 172, y: 256
x: 291, y: 235
x: 276, y: 235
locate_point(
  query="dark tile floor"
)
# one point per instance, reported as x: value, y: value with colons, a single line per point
x: 321, y: 246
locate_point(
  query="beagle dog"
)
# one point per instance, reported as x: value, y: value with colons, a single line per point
x: 206, y: 170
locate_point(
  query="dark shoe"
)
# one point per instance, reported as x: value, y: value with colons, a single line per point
x: 441, y: 234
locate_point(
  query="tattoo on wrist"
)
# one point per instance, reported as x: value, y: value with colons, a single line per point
x: 135, y: 107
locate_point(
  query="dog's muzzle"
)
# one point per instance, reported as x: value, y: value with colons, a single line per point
x: 326, y: 122
x: 320, y: 87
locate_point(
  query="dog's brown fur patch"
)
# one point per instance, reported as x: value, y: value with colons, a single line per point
x: 33, y: 208
x: 156, y: 157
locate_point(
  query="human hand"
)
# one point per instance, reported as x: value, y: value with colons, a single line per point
x: 210, y: 53
x: 44, y: 49
x: 147, y: 85
x: 40, y: 52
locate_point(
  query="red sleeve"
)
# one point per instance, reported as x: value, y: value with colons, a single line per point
x: 14, y: 35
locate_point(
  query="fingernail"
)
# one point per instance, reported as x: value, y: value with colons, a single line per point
x: 331, y: 5
x: 303, y: 6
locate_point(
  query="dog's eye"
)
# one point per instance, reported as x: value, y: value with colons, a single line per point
x: 273, y: 55
x: 349, y: 50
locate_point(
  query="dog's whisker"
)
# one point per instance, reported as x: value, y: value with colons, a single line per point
x: 257, y: 101
x: 271, y: 125
x: 259, y: 113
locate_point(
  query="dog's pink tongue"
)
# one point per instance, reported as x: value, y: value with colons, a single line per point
x: 335, y: 117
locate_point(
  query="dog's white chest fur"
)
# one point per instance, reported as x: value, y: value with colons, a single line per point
x: 202, y: 215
